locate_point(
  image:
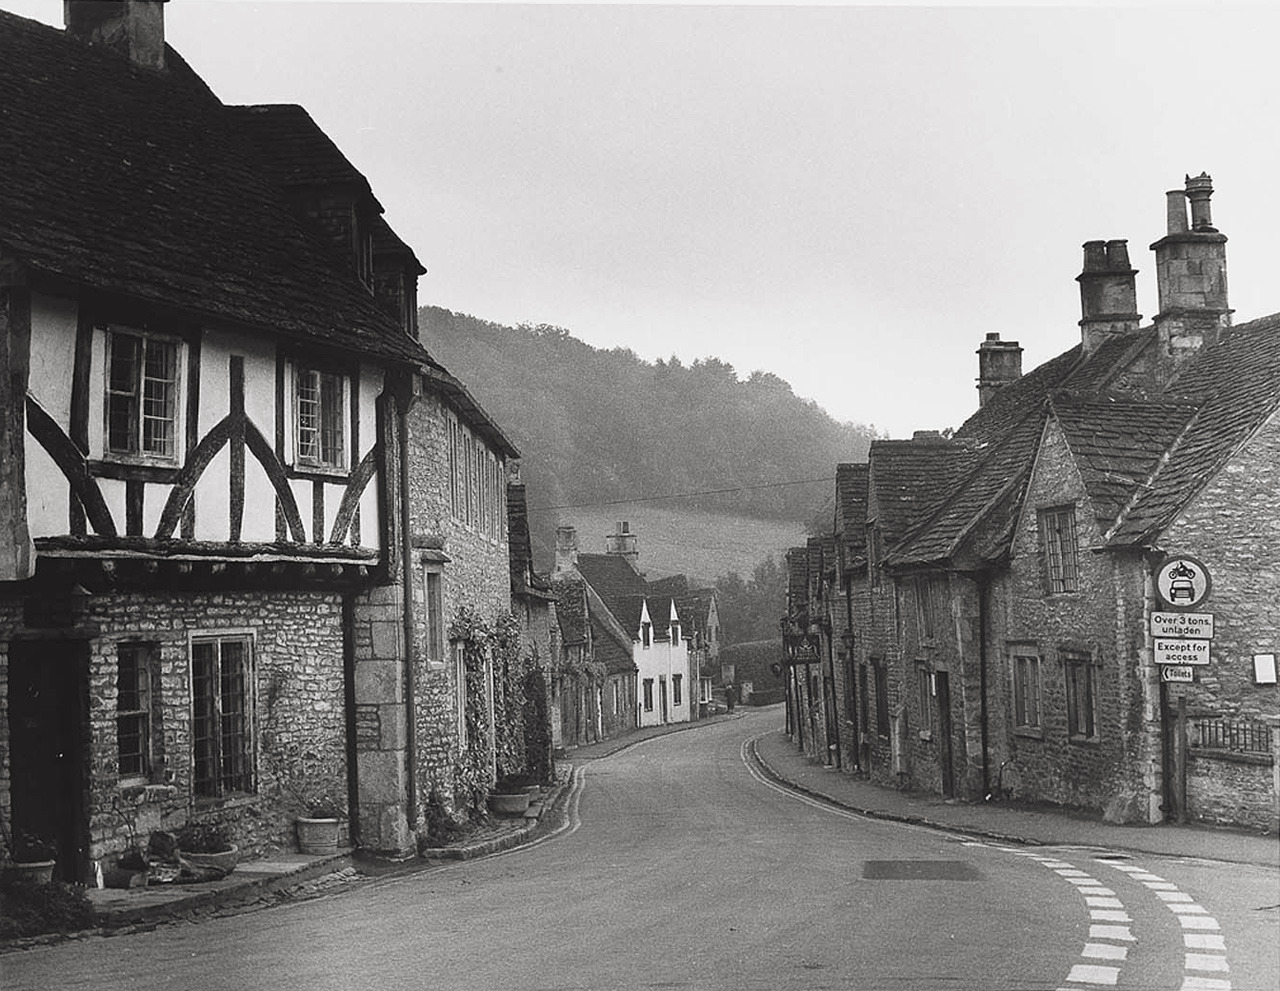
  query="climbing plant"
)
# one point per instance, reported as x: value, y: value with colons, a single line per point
x: 471, y: 771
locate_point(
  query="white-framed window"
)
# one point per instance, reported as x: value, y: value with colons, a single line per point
x: 141, y: 408
x: 137, y: 690
x: 648, y: 694
x: 1026, y: 691
x: 320, y: 402
x: 433, y: 616
x: 677, y: 689
x: 222, y: 702
x: 1081, y: 678
x: 924, y: 682
x: 675, y: 633
x: 646, y: 635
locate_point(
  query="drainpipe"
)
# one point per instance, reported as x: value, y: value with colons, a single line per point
x: 984, y: 603
x: 406, y: 565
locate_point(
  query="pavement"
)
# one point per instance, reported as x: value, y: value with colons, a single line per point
x: 292, y: 876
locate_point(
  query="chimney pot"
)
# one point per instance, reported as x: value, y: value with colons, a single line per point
x: 1095, y: 256
x: 1199, y: 190
x: 1118, y: 256
x: 1176, y: 206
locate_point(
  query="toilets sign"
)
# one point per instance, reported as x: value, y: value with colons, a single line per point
x: 1182, y: 582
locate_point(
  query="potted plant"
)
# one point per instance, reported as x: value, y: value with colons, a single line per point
x: 205, y: 844
x: 510, y: 797
x: 33, y: 857
x: 318, y: 825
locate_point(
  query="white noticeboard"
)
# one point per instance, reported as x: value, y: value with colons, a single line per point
x: 1195, y: 652
x: 1182, y: 625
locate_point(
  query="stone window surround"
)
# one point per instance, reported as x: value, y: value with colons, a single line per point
x: 247, y: 635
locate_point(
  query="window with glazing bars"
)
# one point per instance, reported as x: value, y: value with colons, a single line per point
x: 141, y: 396
x: 321, y: 419
x: 135, y: 689
x: 1058, y: 548
x: 1026, y: 691
x: 221, y: 703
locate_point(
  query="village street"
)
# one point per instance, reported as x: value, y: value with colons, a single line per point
x: 680, y: 864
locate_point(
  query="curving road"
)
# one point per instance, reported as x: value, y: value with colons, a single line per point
x: 681, y: 866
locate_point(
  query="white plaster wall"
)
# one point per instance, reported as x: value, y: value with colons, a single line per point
x: 213, y: 498
x: 113, y: 495
x: 53, y: 354
x: 259, y: 523
x: 48, y: 493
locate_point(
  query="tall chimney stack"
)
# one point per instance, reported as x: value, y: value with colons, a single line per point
x: 566, y: 551
x: 1108, y: 293
x: 623, y: 543
x: 999, y: 363
x: 1191, y: 277
x: 134, y: 28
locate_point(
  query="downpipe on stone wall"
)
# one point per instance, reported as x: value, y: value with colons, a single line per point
x: 984, y: 603
x: 404, y: 404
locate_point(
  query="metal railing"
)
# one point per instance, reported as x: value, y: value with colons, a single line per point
x: 1249, y: 736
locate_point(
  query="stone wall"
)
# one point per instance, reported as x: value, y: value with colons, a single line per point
x: 298, y: 708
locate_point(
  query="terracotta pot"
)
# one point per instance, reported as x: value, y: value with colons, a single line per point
x: 317, y: 836
x: 223, y: 860
x: 516, y: 804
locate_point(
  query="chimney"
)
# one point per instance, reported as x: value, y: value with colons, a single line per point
x: 1191, y: 277
x: 566, y: 551
x: 1108, y: 293
x: 134, y: 28
x: 999, y: 363
x: 622, y: 543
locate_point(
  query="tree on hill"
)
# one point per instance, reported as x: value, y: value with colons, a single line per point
x: 597, y: 426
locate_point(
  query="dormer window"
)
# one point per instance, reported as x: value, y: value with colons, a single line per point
x: 646, y: 634
x: 675, y: 634
x: 141, y: 402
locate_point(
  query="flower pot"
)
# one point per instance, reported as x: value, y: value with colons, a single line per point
x: 37, y: 871
x: 515, y: 804
x: 223, y: 860
x: 317, y: 836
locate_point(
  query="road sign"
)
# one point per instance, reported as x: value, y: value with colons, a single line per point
x: 1182, y: 581
x: 1182, y: 625
x: 1181, y: 651
x: 1177, y: 672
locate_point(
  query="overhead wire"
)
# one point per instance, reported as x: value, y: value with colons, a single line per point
x: 681, y: 495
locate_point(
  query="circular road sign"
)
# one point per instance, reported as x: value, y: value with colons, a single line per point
x: 1182, y: 581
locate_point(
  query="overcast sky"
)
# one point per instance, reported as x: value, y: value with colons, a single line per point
x: 849, y: 197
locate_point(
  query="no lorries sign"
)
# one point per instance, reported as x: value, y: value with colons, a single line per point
x: 1193, y: 652
x: 1182, y: 581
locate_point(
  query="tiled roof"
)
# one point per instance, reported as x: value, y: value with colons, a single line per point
x: 908, y: 478
x: 694, y: 607
x: 1116, y: 446
x: 610, y: 651
x: 797, y: 582
x: 615, y: 581
x: 140, y: 184
x: 1011, y: 405
x: 293, y: 149
x: 1236, y: 385
x: 571, y: 609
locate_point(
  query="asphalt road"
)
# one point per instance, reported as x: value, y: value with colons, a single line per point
x: 680, y: 866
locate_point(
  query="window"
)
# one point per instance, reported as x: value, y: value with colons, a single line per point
x: 320, y: 398
x: 882, y: 698
x: 141, y: 403
x: 929, y: 592
x: 675, y: 634
x: 704, y: 691
x: 677, y: 694
x: 617, y: 699
x: 1058, y: 549
x: 433, y: 618
x: 136, y: 685
x: 648, y: 694
x: 1081, y: 679
x: 1026, y: 692
x: 646, y: 634
x: 477, y: 488
x: 221, y: 703
x: 460, y: 693
x: 924, y: 680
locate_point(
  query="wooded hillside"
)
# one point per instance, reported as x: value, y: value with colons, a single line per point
x: 601, y: 426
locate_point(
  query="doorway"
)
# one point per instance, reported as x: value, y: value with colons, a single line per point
x: 48, y: 733
x: 942, y: 683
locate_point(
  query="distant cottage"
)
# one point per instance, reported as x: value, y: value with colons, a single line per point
x: 987, y: 608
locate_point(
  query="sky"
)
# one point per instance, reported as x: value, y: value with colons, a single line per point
x: 849, y: 197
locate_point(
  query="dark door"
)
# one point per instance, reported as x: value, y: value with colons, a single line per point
x: 48, y: 729
x: 942, y: 685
